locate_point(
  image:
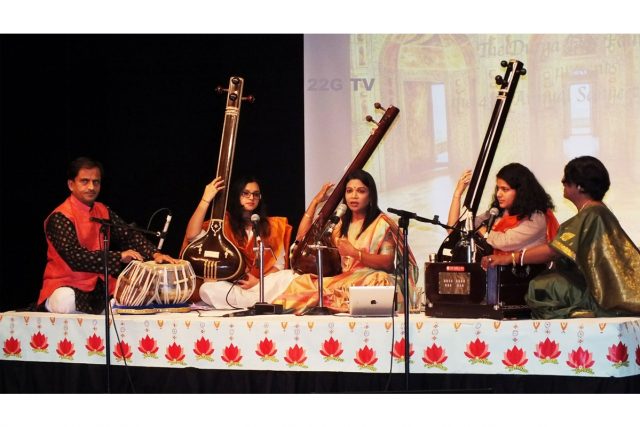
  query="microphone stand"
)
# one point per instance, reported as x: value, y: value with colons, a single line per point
x: 403, y: 223
x: 107, y: 309
x: 320, y: 309
x: 263, y: 307
x: 104, y: 230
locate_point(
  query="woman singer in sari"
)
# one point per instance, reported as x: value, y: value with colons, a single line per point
x: 367, y: 240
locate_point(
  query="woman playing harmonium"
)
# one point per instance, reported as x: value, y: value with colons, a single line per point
x: 524, y: 210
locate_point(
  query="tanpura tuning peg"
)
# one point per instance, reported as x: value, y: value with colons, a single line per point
x: 249, y: 98
x: 378, y: 106
x: 499, y: 80
x: 504, y: 63
x: 370, y: 119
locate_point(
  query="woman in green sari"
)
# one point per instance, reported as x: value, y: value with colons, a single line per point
x: 596, y: 271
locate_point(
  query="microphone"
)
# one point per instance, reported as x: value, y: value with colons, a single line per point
x: 164, y: 231
x: 333, y: 220
x: 402, y: 213
x: 101, y: 220
x: 493, y: 212
x: 255, y: 219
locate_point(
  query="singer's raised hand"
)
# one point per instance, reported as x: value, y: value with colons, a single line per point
x: 462, y: 183
x: 212, y: 189
x: 454, y: 209
x: 307, y: 218
x: 324, y: 192
x: 194, y: 226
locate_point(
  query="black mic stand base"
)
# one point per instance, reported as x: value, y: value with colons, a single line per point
x: 318, y: 311
x: 258, y: 309
x: 266, y: 308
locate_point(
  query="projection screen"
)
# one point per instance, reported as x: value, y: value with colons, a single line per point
x: 581, y: 95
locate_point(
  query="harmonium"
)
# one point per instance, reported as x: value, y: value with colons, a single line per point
x: 465, y: 290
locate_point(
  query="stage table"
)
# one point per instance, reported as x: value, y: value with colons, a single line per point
x: 604, y: 347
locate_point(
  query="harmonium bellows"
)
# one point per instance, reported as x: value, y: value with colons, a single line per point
x: 465, y: 290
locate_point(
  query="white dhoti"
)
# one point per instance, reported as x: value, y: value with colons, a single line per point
x: 224, y: 295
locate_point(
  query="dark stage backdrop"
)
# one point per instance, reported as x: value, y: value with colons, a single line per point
x: 145, y: 106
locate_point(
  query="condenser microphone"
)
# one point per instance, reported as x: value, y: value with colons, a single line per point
x: 333, y: 220
x: 493, y: 215
x: 101, y: 220
x: 255, y: 219
x: 163, y: 234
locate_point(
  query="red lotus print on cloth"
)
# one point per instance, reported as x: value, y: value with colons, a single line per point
x: 122, y: 351
x: 366, y: 358
x: 12, y: 347
x: 618, y: 355
x: 398, y: 351
x: 515, y: 359
x: 581, y: 360
x: 39, y: 342
x: 232, y: 355
x: 203, y: 348
x: 547, y: 351
x: 267, y: 350
x: 95, y: 345
x: 296, y: 356
x: 434, y: 357
x: 175, y: 354
x: 477, y: 352
x: 638, y: 355
x: 331, y: 350
x: 148, y: 347
x: 65, y: 349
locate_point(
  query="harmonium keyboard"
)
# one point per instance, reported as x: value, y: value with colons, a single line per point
x: 465, y: 290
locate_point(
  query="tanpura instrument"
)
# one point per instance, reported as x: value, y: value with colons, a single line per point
x: 459, y: 245
x: 213, y: 256
x: 303, y: 258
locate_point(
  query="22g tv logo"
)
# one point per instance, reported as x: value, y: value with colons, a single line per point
x: 324, y: 85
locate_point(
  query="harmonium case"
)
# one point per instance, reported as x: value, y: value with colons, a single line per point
x: 465, y: 290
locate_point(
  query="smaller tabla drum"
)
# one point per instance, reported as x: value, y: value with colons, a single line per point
x: 142, y: 284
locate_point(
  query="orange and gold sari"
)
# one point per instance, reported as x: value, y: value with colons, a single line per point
x: 381, y: 236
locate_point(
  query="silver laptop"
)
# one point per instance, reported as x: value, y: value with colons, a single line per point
x: 371, y: 301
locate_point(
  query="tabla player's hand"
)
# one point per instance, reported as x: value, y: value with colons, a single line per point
x: 129, y: 255
x: 160, y: 258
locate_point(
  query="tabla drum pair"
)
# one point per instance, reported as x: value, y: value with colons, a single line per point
x: 147, y: 287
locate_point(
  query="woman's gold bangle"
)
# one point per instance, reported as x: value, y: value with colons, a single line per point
x: 359, y: 255
x: 307, y: 215
x: 206, y: 201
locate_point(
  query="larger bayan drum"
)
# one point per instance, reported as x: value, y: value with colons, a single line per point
x: 143, y: 284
